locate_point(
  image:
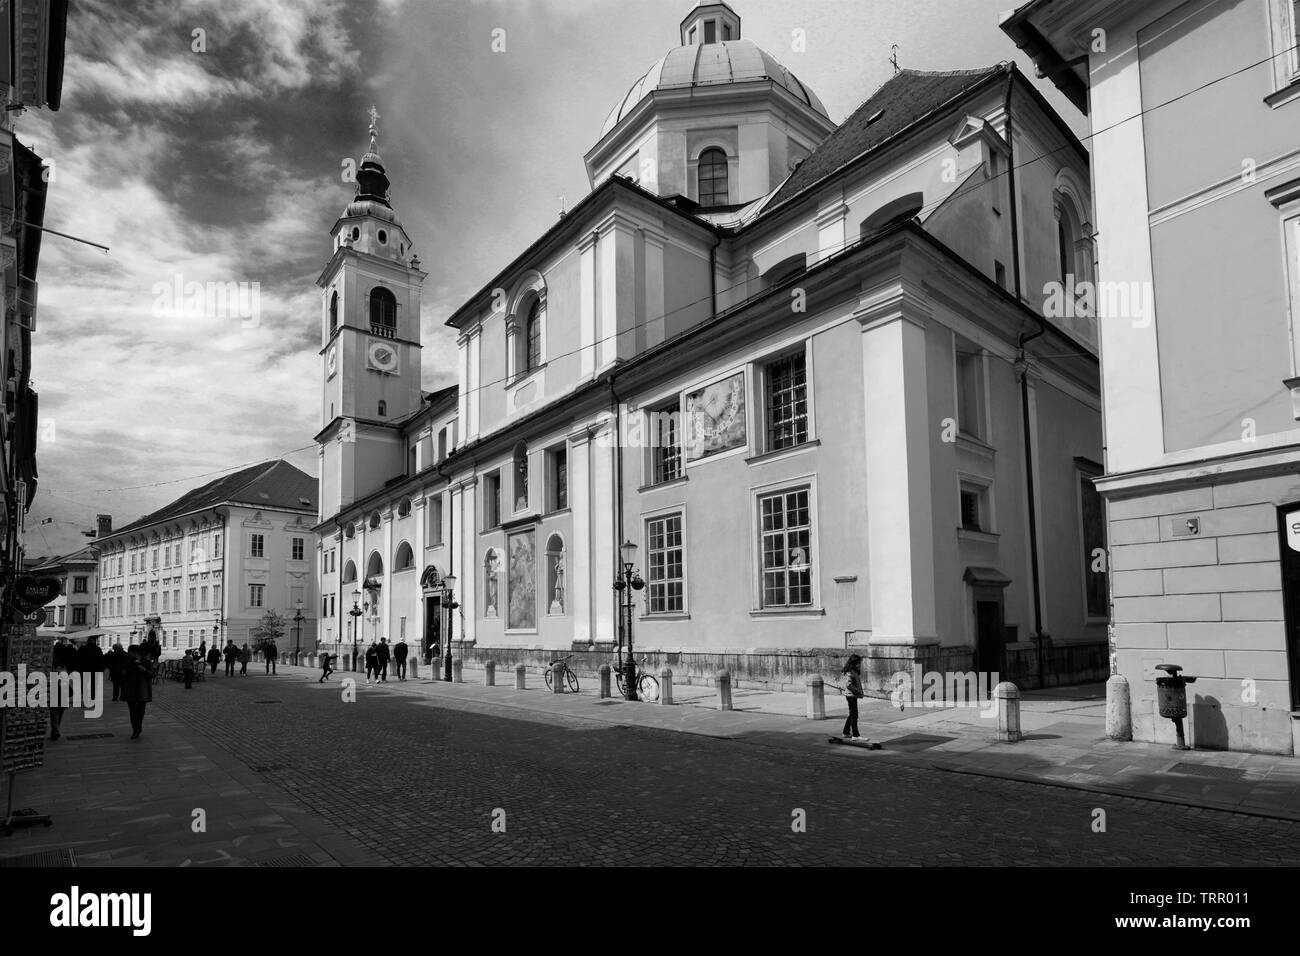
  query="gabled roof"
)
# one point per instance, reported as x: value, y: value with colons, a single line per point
x: 276, y: 484
x: 900, y: 102
x: 85, y: 556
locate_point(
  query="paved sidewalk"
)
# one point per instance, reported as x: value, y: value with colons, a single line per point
x: 1064, y: 745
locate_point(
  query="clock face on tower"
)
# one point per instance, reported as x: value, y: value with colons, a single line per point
x: 332, y: 361
x: 382, y: 357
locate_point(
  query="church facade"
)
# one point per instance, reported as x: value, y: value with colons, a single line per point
x: 827, y: 379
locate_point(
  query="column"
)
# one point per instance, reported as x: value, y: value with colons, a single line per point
x: 831, y: 237
x: 580, y: 551
x: 587, y: 304
x: 898, y: 435
x: 654, y: 287
x: 603, y: 544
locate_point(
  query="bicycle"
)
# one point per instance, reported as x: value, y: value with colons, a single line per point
x: 647, y: 685
x: 570, y: 678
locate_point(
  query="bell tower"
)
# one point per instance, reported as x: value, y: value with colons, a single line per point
x: 370, y: 339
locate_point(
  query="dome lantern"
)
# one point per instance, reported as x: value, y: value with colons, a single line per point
x: 710, y: 23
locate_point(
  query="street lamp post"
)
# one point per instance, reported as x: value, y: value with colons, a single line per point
x: 449, y: 582
x: 628, y: 581
x: 355, y: 613
x: 217, y: 624
x: 297, y: 632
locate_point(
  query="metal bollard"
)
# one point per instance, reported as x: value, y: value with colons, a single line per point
x: 724, y: 690
x: 490, y: 673
x: 816, y: 698
x: 521, y: 677
x: 1119, y: 716
x: 457, y: 665
x: 665, y: 685
x: 1007, y: 695
x: 604, y: 681
x: 557, y: 678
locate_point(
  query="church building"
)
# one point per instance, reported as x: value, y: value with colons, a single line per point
x: 832, y: 381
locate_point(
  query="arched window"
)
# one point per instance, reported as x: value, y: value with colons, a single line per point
x: 712, y: 178
x: 533, y: 337
x: 555, y: 574
x: 383, y: 408
x: 405, y: 558
x: 334, y: 312
x: 491, y: 582
x: 349, y: 572
x: 891, y: 213
x: 383, y: 308
x: 374, y: 520
x: 375, y: 566
x: 521, y: 476
x: 350, y: 531
x: 404, y: 508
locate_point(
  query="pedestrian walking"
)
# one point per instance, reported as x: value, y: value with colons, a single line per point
x: 214, y: 658
x: 138, y: 686
x: 116, y: 659
x: 203, y: 649
x: 90, y: 660
x: 187, y: 669
x: 382, y: 654
x: 325, y: 668
x: 152, y: 648
x: 231, y: 654
x: 400, y: 650
x: 372, y: 661
x: 63, y: 660
x: 852, y: 693
x: 271, y: 653
x: 245, y: 655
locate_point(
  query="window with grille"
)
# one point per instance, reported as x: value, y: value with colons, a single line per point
x: 533, y: 335
x: 713, y: 178
x: 666, y: 588
x: 256, y: 595
x: 785, y: 544
x: 257, y: 546
x: 298, y: 550
x: 79, y: 585
x: 203, y: 597
x: 78, y: 615
x: 787, y: 402
x: 666, y: 443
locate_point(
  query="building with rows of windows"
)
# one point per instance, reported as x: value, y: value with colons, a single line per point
x: 208, y: 566
x: 74, y: 611
x: 826, y: 378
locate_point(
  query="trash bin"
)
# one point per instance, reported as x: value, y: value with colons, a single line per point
x: 1171, y: 698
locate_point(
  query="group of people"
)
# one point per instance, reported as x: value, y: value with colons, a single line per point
x: 130, y: 671
x: 377, y: 658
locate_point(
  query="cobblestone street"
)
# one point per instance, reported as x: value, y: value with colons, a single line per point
x: 411, y: 779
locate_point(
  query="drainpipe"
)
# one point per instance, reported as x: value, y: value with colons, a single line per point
x: 451, y: 565
x: 1022, y: 370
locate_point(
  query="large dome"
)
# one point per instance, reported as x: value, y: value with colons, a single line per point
x: 711, y: 64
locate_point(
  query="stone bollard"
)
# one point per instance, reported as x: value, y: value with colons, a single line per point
x: 604, y: 681
x: 521, y: 677
x: 457, y: 665
x: 724, y: 690
x: 557, y: 678
x: 413, y: 664
x: 489, y: 673
x: 1119, y: 715
x: 665, y: 685
x: 1007, y: 695
x: 816, y: 698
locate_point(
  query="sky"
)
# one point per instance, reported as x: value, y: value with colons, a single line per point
x: 204, y: 141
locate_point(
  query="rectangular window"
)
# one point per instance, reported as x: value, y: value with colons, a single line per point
x: 166, y: 602
x: 492, y: 500
x: 203, y: 597
x: 119, y: 607
x: 1000, y: 274
x: 442, y: 443
x: 133, y: 564
x: 970, y: 391
x: 557, y: 479
x: 972, y: 509
x: 193, y: 599
x: 256, y: 595
x: 1092, y: 518
x: 79, y: 585
x: 726, y: 31
x: 216, y: 545
x: 176, y: 599
x: 710, y: 31
x: 786, y: 402
x: 665, y: 443
x: 665, y: 577
x: 132, y: 605
x: 785, y: 546
x: 435, y: 520
x: 299, y: 551
x: 60, y: 617
x: 258, y: 546
x: 78, y: 615
x: 153, y: 602
x: 154, y: 565
x: 216, y: 596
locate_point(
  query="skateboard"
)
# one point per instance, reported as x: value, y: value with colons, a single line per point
x: 855, y: 742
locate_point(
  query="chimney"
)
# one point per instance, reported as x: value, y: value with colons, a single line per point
x: 103, y: 526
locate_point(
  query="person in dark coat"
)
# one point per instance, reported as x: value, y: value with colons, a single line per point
x: 116, y: 659
x: 272, y: 654
x: 137, y: 689
x: 325, y: 668
x: 187, y: 669
x: 372, y: 661
x: 203, y: 649
x: 382, y: 654
x: 231, y: 654
x: 400, y: 650
x: 245, y: 655
x: 152, y: 647
x: 852, y: 694
x: 63, y: 659
x: 214, y: 658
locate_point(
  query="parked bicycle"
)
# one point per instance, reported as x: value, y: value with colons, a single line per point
x: 570, y: 678
x: 647, y: 685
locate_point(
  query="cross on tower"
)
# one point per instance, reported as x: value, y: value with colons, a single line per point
x: 374, y: 120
